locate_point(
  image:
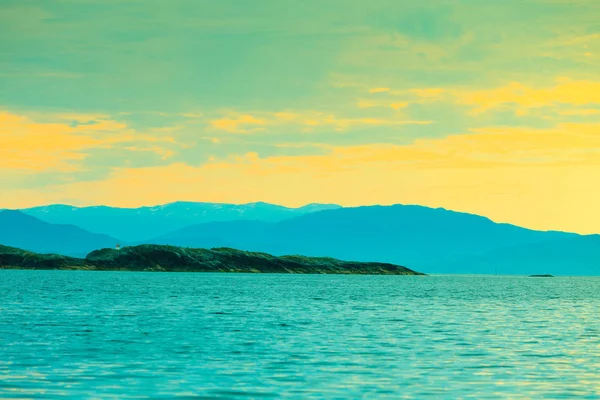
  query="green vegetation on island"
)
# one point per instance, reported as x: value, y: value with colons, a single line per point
x: 180, y: 259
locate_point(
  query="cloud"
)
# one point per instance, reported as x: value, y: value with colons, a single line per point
x: 581, y: 112
x: 484, y: 148
x: 368, y: 104
x: 332, y: 76
x: 192, y: 115
x: 241, y: 124
x: 402, y: 98
x: 342, y: 124
x: 163, y: 152
x: 428, y: 92
x: 517, y: 175
x: 379, y: 90
x: 399, y: 105
x: 395, y: 105
x: 565, y: 92
x: 60, y: 142
x: 32, y: 146
x: 304, y: 121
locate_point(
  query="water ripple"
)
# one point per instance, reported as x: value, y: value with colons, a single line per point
x: 200, y: 336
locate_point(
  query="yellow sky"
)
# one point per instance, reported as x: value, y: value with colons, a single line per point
x: 509, y: 174
x: 491, y: 109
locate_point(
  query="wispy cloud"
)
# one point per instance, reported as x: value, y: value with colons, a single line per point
x: 305, y: 121
x: 379, y: 90
x: 61, y: 141
x: 243, y: 124
x: 565, y: 91
x: 410, y: 101
x: 581, y: 112
x: 488, y: 171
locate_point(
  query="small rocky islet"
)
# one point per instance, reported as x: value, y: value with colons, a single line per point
x: 163, y: 258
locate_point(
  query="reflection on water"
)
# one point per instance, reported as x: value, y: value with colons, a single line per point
x: 131, y: 335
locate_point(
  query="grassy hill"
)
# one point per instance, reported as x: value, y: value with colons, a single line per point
x: 179, y: 259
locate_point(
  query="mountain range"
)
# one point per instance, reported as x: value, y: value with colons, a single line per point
x: 422, y: 238
x: 18, y: 229
x: 431, y: 240
x: 137, y: 224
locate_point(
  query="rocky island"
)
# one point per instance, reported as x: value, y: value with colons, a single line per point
x: 179, y: 259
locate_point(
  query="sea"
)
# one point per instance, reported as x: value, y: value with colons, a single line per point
x: 122, y: 335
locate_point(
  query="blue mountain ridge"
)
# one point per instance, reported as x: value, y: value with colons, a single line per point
x: 136, y: 224
x: 431, y: 240
x: 18, y: 229
x: 578, y: 255
x: 426, y: 239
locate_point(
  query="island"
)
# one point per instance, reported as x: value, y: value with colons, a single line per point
x: 162, y: 258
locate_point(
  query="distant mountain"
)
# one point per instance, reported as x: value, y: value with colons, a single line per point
x: 578, y: 255
x: 24, y: 231
x: 425, y: 239
x: 15, y: 258
x: 176, y: 259
x: 137, y: 224
x: 219, y: 234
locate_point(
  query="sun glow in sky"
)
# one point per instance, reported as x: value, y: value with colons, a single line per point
x: 488, y: 107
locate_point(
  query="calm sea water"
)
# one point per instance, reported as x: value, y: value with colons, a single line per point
x: 139, y: 335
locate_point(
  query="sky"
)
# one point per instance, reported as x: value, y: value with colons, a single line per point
x: 487, y: 107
